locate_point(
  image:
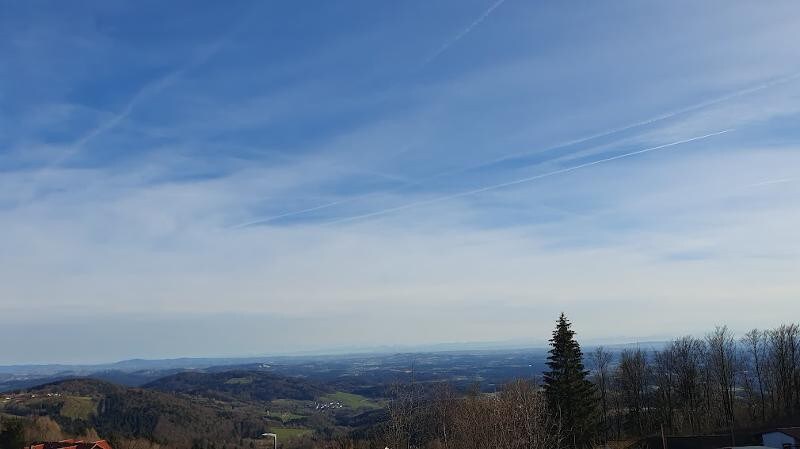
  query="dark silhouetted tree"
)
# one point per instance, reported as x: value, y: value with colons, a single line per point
x: 570, y: 395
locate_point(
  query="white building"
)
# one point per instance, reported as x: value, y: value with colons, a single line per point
x: 787, y: 438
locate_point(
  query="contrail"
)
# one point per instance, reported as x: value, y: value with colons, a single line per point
x: 149, y: 89
x: 772, y: 181
x: 523, y: 180
x: 117, y: 118
x: 463, y: 32
x: 649, y: 121
x: 288, y: 214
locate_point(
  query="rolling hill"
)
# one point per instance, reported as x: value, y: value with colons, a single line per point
x: 239, y: 385
x: 118, y: 412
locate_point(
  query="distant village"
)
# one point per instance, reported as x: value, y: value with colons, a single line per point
x: 327, y: 405
x: 19, y: 396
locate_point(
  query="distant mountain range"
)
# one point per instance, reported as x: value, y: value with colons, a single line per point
x: 184, y: 363
x: 126, y: 366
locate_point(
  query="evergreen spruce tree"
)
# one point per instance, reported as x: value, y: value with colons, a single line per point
x: 571, y: 397
x: 12, y: 435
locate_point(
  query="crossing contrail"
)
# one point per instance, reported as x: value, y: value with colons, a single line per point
x: 522, y: 180
x: 446, y: 46
x: 115, y: 120
x: 509, y: 156
x: 149, y: 89
x: 652, y: 120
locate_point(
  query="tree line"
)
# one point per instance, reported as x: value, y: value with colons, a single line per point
x: 717, y: 383
x: 697, y: 385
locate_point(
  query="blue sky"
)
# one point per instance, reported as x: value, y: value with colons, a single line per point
x: 217, y: 178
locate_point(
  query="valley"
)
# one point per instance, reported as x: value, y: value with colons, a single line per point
x: 206, y: 403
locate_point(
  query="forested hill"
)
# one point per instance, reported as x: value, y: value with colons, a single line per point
x: 239, y: 385
x: 118, y: 412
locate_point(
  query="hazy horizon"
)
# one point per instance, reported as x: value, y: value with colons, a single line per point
x: 109, y: 348
x: 209, y: 178
x: 335, y: 351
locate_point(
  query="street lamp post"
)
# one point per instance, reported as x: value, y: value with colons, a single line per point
x: 274, y: 437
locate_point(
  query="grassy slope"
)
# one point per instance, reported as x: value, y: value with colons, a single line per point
x: 78, y: 407
x: 351, y: 400
x: 289, y: 433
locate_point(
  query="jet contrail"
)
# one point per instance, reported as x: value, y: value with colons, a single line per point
x: 649, y: 121
x: 463, y: 32
x: 148, y: 89
x: 151, y: 88
x: 772, y: 181
x: 288, y: 214
x: 523, y: 180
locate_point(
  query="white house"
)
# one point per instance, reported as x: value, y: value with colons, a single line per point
x: 787, y: 438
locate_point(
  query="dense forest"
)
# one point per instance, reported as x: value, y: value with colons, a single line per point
x: 241, y: 385
x: 90, y: 407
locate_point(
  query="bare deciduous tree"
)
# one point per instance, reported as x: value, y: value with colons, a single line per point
x: 722, y: 365
x: 632, y: 378
x: 753, y: 345
x: 601, y: 365
x: 514, y: 418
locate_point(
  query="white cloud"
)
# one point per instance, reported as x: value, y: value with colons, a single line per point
x: 702, y: 240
